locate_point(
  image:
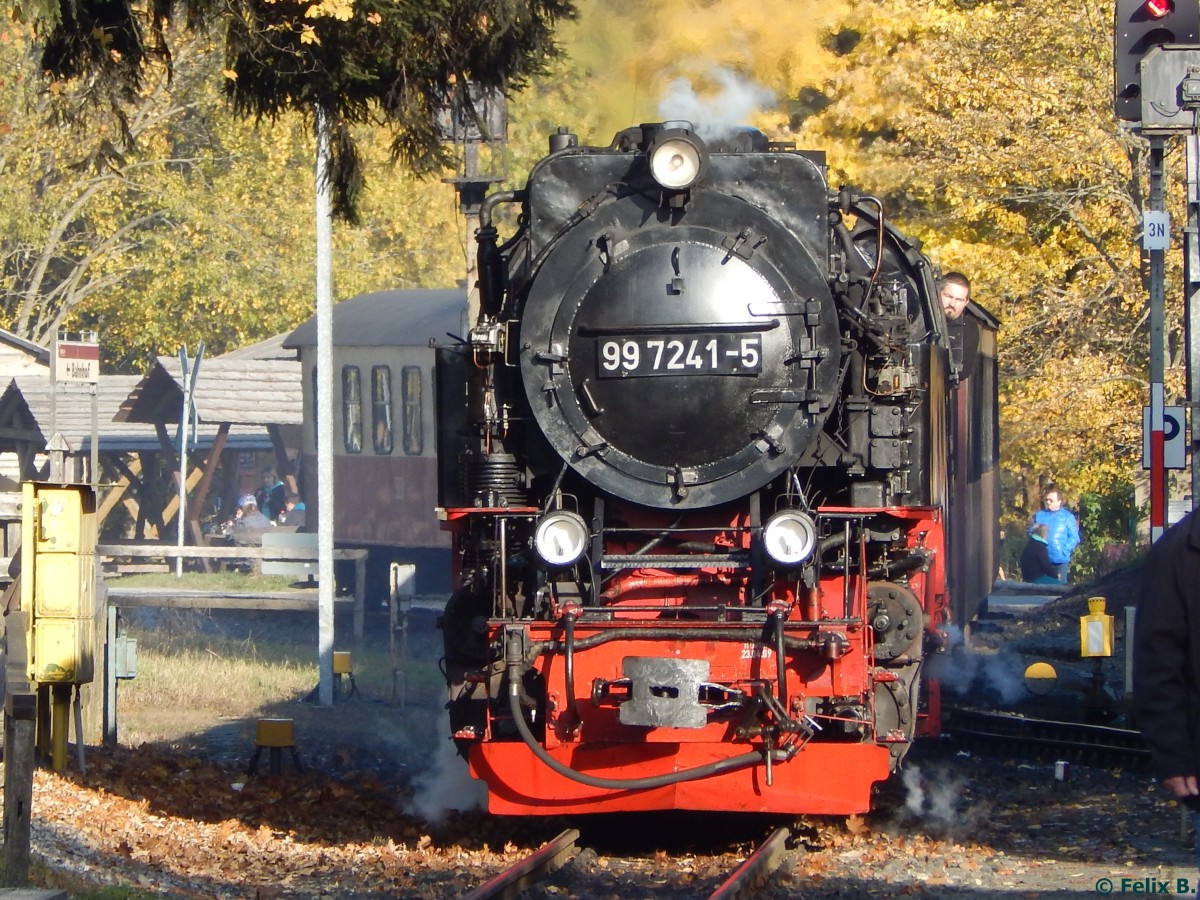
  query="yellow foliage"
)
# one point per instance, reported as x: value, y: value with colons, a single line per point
x: 342, y: 10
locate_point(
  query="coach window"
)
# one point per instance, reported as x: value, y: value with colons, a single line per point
x: 381, y: 409
x: 352, y: 417
x: 983, y: 410
x: 410, y: 385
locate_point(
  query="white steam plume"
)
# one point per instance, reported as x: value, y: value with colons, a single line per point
x: 934, y: 800
x: 732, y: 105
x: 975, y: 674
x: 447, y: 785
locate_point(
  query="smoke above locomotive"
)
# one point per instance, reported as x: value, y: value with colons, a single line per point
x: 694, y: 456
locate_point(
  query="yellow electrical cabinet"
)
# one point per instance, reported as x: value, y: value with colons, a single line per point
x: 58, y: 583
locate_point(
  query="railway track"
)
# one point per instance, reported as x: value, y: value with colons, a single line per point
x: 994, y: 730
x: 542, y: 863
x: 534, y: 868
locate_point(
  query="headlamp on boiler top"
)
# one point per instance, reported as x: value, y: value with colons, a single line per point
x: 677, y: 158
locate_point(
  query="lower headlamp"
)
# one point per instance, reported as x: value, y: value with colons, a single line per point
x: 790, y: 537
x: 561, y: 538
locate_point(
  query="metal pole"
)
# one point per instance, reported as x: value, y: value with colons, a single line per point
x: 185, y: 420
x: 95, y: 460
x: 470, y: 200
x: 54, y: 385
x: 324, y: 413
x: 1191, y: 312
x: 1158, y: 492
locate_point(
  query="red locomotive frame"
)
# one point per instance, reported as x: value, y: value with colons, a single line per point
x: 808, y: 759
x: 713, y: 461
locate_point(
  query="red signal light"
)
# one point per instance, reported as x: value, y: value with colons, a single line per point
x: 1156, y: 9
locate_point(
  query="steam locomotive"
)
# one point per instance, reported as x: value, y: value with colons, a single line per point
x: 702, y: 455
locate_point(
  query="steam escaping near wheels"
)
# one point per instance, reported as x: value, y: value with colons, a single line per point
x: 447, y: 785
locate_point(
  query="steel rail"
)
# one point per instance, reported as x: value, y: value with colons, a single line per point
x: 758, y: 865
x: 514, y: 880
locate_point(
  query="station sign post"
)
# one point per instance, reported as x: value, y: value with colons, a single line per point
x: 77, y: 361
x: 74, y: 362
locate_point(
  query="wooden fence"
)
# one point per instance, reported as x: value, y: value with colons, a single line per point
x: 120, y: 595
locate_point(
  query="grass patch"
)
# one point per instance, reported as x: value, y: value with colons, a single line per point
x: 197, y: 668
x: 204, y: 680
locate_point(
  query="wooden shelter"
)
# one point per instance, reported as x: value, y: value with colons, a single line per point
x: 242, y: 402
x: 21, y: 357
x: 127, y: 453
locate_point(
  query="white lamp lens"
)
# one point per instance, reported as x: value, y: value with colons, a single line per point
x: 675, y: 163
x: 790, y: 537
x: 561, y: 538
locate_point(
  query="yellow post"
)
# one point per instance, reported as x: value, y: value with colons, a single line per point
x: 43, y: 721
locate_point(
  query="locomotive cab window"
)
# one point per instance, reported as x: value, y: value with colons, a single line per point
x: 352, y: 414
x: 381, y: 409
x: 410, y: 386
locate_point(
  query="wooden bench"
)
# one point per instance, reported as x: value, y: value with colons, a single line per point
x: 305, y: 555
x: 295, y: 540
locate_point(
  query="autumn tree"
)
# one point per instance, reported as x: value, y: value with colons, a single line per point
x: 75, y: 212
x: 349, y: 61
x: 987, y: 127
x: 203, y: 231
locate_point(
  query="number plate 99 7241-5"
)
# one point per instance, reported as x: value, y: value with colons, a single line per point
x: 680, y: 354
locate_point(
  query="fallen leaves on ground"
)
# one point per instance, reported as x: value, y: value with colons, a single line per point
x: 192, y: 829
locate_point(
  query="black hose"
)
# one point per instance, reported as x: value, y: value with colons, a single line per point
x: 754, y: 757
x: 780, y: 672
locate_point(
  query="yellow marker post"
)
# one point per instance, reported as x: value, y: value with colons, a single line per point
x: 1040, y: 678
x: 1096, y: 630
x: 275, y: 736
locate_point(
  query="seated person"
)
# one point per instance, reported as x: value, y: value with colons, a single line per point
x: 293, y: 512
x: 1036, y: 567
x: 270, y: 496
x: 248, y: 524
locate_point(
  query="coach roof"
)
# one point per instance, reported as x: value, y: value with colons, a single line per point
x: 390, y: 318
x: 237, y: 391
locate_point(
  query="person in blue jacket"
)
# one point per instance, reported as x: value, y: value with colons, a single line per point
x: 1062, y: 530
